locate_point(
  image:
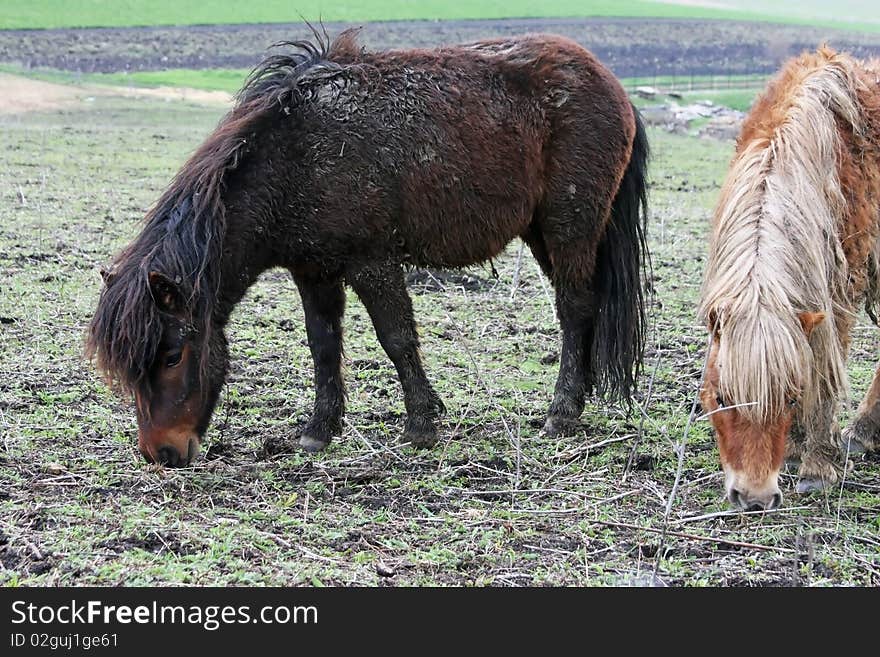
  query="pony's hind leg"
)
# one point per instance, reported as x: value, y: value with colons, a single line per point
x: 863, y: 435
x: 324, y: 304
x: 575, y: 308
x: 383, y: 292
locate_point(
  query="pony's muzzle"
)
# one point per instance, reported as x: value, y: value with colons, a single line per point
x: 169, y: 451
x: 745, y: 502
x: 169, y: 456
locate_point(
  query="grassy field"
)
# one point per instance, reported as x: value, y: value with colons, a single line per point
x: 209, y: 79
x: 739, y: 99
x: 101, y: 13
x: 848, y: 11
x: 494, y: 502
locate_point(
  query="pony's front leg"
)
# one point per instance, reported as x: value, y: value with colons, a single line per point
x: 383, y: 293
x: 323, y: 304
x: 863, y: 435
x: 821, y: 462
x: 794, y: 445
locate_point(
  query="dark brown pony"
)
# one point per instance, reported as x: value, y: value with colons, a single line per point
x: 344, y: 167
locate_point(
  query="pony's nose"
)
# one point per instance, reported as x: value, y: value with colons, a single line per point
x: 735, y: 498
x: 168, y: 455
x: 768, y: 503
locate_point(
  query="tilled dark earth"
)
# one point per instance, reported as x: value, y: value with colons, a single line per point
x: 496, y: 502
x: 630, y: 47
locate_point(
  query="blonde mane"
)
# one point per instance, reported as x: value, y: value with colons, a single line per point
x: 776, y: 249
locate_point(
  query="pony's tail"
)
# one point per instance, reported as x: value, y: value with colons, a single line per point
x: 619, y: 281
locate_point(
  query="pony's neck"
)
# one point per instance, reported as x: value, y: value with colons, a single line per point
x: 242, y: 260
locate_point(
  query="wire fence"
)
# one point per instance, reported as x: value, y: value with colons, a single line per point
x: 684, y: 83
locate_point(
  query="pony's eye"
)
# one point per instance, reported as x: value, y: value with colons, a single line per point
x: 792, y: 403
x: 719, y: 400
x: 173, y: 359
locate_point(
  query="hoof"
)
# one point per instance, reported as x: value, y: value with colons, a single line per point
x: 312, y: 444
x: 421, y: 439
x: 561, y: 426
x: 810, y: 485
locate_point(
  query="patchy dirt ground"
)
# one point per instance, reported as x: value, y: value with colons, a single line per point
x: 21, y: 94
x: 630, y: 47
x: 495, y: 503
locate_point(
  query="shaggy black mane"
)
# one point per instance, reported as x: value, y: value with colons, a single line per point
x: 183, y: 233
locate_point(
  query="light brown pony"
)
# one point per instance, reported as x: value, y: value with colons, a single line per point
x: 793, y: 254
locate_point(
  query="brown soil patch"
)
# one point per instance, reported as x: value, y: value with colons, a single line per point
x: 23, y: 95
x: 20, y: 94
x: 198, y: 96
x: 628, y: 46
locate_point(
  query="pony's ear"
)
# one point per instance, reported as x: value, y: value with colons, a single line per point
x: 809, y: 321
x: 107, y: 275
x: 712, y: 318
x: 166, y: 293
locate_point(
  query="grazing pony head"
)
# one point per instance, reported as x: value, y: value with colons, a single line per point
x: 758, y: 384
x: 776, y: 277
x: 157, y: 332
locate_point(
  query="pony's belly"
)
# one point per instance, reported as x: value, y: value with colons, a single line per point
x: 444, y: 241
